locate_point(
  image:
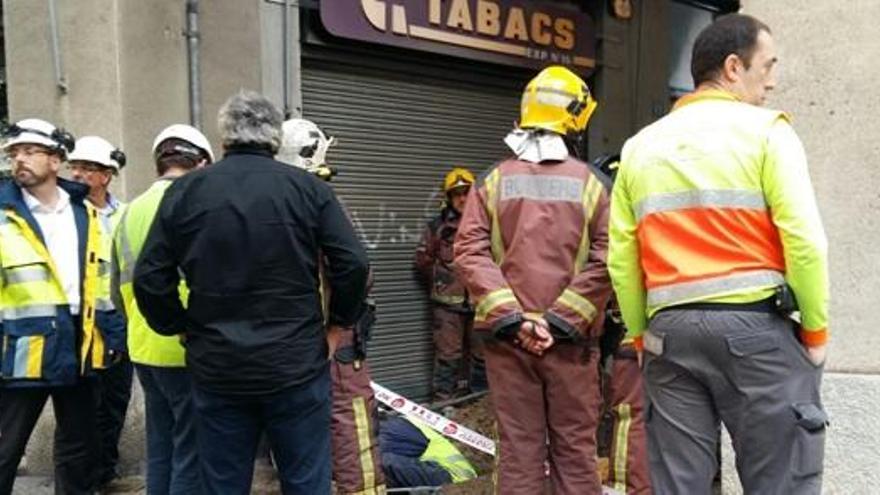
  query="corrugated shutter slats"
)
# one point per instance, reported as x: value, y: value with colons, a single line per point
x: 398, y: 134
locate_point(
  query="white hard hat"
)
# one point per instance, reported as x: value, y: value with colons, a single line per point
x: 38, y: 131
x: 97, y: 150
x: 303, y: 144
x: 186, y: 133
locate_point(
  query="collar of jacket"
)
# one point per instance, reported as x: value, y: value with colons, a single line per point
x: 10, y: 193
x: 703, y: 95
x: 11, y: 197
x: 249, y: 149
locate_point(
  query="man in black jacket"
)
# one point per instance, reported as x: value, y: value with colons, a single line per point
x: 247, y: 235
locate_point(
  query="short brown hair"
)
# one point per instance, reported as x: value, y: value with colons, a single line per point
x: 174, y: 152
x: 732, y: 34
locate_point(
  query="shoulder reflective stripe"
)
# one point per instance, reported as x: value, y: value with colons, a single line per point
x: 621, y: 448
x: 591, y: 195
x: 579, y: 304
x: 497, y: 244
x: 493, y: 300
x: 689, y: 291
x: 542, y: 188
x: 32, y: 311
x: 718, y: 198
x: 365, y: 442
x: 25, y: 274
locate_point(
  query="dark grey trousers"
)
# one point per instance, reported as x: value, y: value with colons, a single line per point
x: 747, y: 370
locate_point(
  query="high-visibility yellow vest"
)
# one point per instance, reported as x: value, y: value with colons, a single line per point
x: 144, y: 345
x: 713, y: 203
x: 39, y: 334
x: 441, y: 451
x: 105, y: 253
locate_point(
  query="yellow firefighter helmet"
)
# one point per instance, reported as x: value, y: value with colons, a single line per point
x: 556, y: 100
x: 458, y: 177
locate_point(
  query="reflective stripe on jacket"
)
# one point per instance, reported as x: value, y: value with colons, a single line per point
x: 533, y: 239
x: 713, y: 203
x: 434, y: 260
x: 444, y: 453
x: 144, y: 345
x: 40, y: 336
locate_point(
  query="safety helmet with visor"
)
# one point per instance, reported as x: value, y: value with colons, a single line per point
x: 458, y: 177
x: 556, y: 100
x: 304, y: 145
x: 98, y: 150
x: 40, y: 132
x: 173, y: 140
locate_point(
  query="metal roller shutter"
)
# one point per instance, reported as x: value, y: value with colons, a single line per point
x: 399, y: 131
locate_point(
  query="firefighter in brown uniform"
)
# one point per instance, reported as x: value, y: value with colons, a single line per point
x: 458, y: 356
x: 628, y: 462
x: 531, y: 251
x: 624, y: 398
x: 357, y: 467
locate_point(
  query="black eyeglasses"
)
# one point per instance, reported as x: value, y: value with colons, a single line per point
x: 88, y: 168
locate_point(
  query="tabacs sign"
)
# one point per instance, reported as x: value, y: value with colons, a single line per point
x: 513, y: 32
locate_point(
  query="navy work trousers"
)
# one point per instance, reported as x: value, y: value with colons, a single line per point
x: 172, y: 451
x: 296, y: 421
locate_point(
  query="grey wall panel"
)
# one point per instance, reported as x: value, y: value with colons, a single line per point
x: 399, y: 130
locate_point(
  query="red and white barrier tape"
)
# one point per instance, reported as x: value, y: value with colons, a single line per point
x: 436, y: 421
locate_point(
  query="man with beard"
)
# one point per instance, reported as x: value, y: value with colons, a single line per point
x: 56, y: 327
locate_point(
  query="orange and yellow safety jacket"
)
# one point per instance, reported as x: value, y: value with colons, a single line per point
x: 713, y: 203
x: 533, y: 240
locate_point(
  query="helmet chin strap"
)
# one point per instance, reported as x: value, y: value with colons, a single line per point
x: 574, y: 141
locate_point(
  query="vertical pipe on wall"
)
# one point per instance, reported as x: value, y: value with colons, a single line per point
x: 285, y: 58
x: 192, y: 42
x: 292, y: 89
x: 60, y: 81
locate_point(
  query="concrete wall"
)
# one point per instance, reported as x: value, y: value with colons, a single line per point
x: 827, y: 82
x: 89, y: 53
x: 125, y: 63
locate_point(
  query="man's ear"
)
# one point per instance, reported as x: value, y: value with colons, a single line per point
x: 55, y: 163
x: 106, y: 177
x: 732, y: 68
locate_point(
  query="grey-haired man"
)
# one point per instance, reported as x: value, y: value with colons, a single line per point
x: 246, y: 234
